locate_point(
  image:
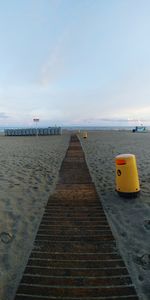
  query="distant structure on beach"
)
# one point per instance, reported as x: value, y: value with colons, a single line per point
x: 33, y: 131
x: 140, y: 129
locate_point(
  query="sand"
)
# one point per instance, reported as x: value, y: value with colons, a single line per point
x: 29, y: 168
x: 128, y: 218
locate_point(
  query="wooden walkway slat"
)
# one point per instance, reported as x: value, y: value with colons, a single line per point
x: 74, y: 255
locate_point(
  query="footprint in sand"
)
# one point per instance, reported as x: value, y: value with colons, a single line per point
x: 141, y: 278
x: 123, y: 234
x: 35, y: 187
x: 147, y: 224
x: 6, y: 237
x: 144, y: 261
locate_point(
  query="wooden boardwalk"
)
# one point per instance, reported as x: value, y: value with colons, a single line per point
x: 74, y: 254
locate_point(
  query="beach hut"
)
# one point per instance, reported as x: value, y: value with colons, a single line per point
x: 52, y: 131
x: 40, y: 131
x: 48, y: 130
x: 59, y: 131
x: 45, y: 131
x: 10, y: 132
x: 23, y: 132
x: 34, y: 131
x: 26, y: 132
x: 6, y: 132
x: 30, y: 131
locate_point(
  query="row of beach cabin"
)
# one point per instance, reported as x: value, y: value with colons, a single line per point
x: 33, y: 131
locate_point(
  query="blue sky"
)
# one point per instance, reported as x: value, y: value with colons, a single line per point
x: 74, y: 62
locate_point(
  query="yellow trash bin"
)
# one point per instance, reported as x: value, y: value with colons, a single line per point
x: 127, y: 181
x: 85, y: 135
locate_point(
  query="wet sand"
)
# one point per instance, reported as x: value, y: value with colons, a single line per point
x: 129, y: 218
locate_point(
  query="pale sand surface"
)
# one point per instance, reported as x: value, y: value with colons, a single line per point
x: 129, y: 218
x: 29, y: 168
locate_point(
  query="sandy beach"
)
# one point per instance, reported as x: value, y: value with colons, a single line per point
x: 29, y: 169
x: 129, y: 218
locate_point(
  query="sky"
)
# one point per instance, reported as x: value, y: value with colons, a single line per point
x: 74, y: 62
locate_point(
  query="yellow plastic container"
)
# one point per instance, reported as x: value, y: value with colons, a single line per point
x: 127, y: 180
x: 85, y: 135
